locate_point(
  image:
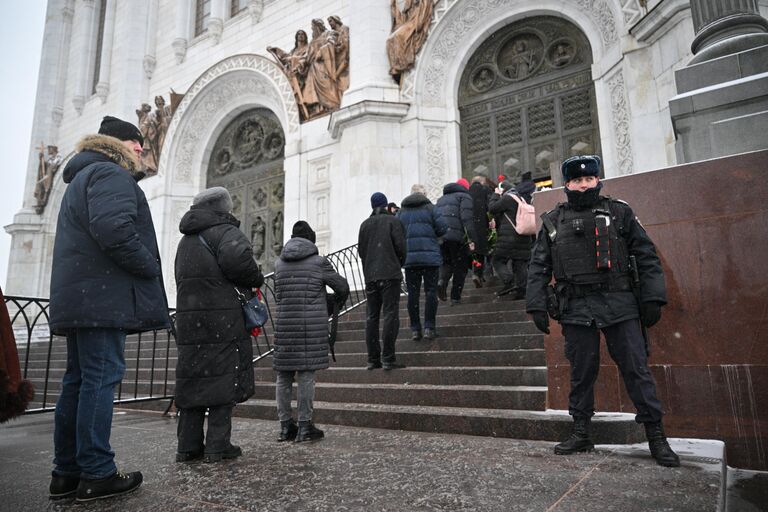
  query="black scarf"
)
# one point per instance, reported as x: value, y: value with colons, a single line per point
x: 586, y: 199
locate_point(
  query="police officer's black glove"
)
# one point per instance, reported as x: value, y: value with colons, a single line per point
x: 650, y: 313
x: 541, y: 319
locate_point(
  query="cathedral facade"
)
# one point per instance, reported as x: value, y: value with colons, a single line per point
x: 304, y: 108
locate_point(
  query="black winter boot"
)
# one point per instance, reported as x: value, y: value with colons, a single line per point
x: 308, y: 432
x: 288, y: 430
x: 660, y: 449
x: 579, y: 440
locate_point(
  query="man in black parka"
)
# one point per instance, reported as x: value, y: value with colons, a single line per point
x: 213, y: 368
x: 588, y: 243
x: 301, y: 328
x: 481, y: 194
x: 106, y: 282
x: 382, y: 249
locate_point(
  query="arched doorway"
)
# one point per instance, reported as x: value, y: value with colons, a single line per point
x: 527, y: 102
x: 247, y: 160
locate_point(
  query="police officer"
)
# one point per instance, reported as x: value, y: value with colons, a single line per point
x: 588, y: 244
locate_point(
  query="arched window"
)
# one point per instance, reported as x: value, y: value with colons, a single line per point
x: 202, y: 16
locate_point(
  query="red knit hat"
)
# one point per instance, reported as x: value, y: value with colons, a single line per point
x: 463, y: 182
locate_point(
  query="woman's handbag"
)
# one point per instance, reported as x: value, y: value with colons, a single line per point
x: 255, y: 311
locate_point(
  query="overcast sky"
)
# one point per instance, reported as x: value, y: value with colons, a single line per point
x: 21, y: 38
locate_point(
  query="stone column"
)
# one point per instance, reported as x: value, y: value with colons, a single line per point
x: 67, y: 13
x: 216, y: 21
x: 370, y: 22
x: 721, y: 107
x: 105, y: 65
x: 150, y: 43
x: 85, y: 18
x: 183, y: 8
x: 723, y: 28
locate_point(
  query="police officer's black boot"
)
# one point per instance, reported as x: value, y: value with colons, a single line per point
x: 660, y: 449
x: 579, y: 440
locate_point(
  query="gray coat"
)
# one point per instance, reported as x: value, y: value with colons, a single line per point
x: 301, y: 327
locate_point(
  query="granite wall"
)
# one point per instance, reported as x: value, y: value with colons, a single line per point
x: 709, y: 352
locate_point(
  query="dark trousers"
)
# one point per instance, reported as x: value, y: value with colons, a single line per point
x: 413, y: 278
x: 382, y: 295
x: 456, y: 259
x: 189, y: 429
x: 513, y: 272
x: 83, y: 418
x: 627, y: 348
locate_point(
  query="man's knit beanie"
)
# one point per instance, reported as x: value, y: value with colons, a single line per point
x: 378, y: 200
x: 302, y: 229
x: 120, y: 129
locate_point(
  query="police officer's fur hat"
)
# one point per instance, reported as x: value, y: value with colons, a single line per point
x: 582, y: 165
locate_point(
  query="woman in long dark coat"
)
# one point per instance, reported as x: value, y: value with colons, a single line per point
x: 214, y: 369
x: 480, y: 194
x: 301, y: 328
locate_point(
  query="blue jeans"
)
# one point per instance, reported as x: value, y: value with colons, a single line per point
x: 413, y: 277
x: 83, y: 421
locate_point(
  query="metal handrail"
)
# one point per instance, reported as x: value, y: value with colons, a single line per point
x: 30, y: 315
x: 30, y: 320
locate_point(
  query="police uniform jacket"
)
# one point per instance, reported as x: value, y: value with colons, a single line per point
x: 604, y: 306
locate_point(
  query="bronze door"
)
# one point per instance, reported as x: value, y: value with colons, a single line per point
x: 527, y: 101
x: 247, y: 160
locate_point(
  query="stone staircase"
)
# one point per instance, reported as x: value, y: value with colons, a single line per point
x: 484, y: 375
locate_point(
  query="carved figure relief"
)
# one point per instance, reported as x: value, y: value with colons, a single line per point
x: 318, y: 70
x: 410, y: 26
x: 46, y: 171
x: 247, y: 160
x: 526, y: 99
x: 520, y: 57
x: 154, y: 126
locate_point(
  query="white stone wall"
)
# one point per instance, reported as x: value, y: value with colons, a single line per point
x: 384, y: 138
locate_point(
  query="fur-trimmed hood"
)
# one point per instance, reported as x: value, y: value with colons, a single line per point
x: 102, y: 148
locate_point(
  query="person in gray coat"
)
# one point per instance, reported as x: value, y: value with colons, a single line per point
x: 301, y: 328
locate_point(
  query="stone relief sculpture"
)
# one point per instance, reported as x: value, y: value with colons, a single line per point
x: 46, y: 171
x: 318, y: 70
x: 153, y: 127
x: 410, y: 25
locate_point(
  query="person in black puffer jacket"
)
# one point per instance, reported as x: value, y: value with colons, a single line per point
x: 301, y: 328
x: 513, y: 251
x: 458, y: 243
x: 213, y: 369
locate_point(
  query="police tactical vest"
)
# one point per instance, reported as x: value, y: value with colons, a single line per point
x: 589, y: 247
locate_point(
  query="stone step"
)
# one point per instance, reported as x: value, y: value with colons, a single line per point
x: 487, y: 329
x: 446, y: 376
x: 517, y: 424
x: 445, y: 309
x: 490, y: 397
x: 520, y: 357
x: 448, y: 321
x: 449, y: 343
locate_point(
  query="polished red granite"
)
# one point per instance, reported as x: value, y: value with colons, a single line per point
x: 709, y: 352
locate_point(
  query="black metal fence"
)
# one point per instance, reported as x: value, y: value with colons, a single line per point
x: 150, y: 357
